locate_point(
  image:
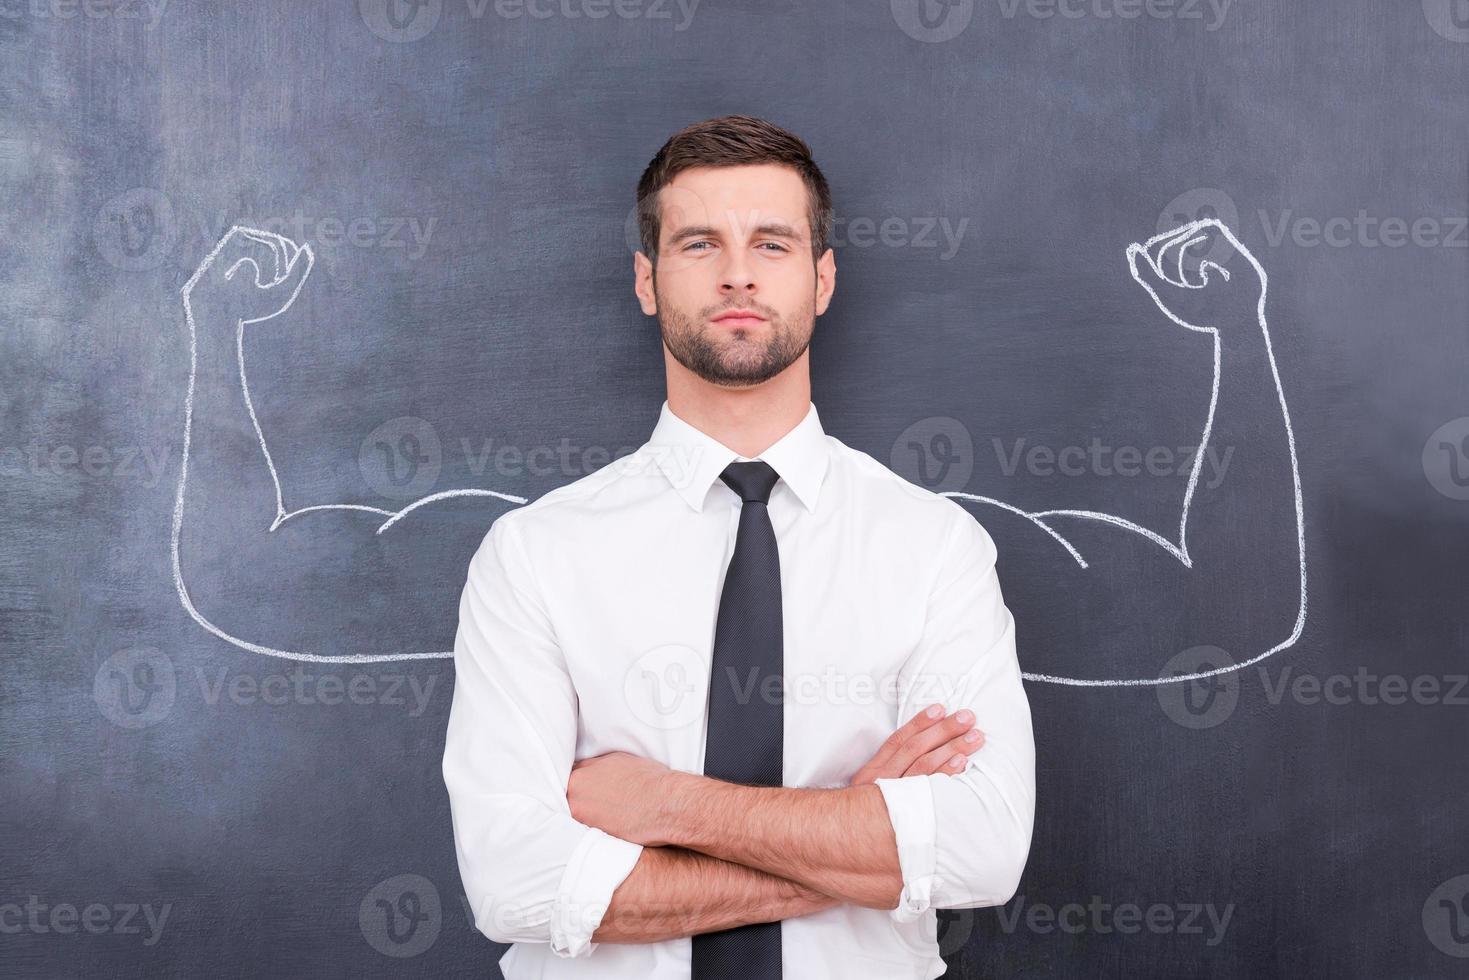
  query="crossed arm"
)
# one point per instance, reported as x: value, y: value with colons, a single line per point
x: 718, y: 855
x: 620, y: 848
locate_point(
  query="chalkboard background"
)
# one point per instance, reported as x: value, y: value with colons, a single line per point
x: 464, y: 173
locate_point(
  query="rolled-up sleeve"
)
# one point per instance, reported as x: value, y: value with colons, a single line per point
x: 531, y: 872
x: 963, y: 839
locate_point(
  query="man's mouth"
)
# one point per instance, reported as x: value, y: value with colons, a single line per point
x: 739, y: 318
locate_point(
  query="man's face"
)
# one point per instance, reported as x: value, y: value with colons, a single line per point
x: 736, y: 239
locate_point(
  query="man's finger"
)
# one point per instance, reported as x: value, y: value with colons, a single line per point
x: 951, y: 757
x: 926, y: 718
x: 931, y: 738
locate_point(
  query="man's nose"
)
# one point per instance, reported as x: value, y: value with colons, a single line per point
x: 737, y: 275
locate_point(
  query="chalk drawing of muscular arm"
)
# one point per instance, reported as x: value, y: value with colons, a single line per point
x: 1205, y: 281
x: 254, y: 276
x: 250, y: 277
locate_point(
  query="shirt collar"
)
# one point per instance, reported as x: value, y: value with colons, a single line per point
x: 692, y: 460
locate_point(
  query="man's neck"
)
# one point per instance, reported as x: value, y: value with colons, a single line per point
x: 747, y: 420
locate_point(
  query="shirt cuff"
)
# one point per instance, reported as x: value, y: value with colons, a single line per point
x: 596, y: 867
x: 910, y: 810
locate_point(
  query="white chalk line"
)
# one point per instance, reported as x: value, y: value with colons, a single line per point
x: 1182, y: 238
x: 286, y: 254
x: 1033, y: 518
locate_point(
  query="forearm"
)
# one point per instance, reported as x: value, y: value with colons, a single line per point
x: 673, y: 892
x: 839, y: 842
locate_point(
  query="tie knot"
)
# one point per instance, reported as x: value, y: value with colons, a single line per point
x: 753, y: 481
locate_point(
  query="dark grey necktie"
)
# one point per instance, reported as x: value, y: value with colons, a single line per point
x: 746, y: 717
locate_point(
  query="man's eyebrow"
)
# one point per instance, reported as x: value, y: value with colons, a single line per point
x: 772, y: 229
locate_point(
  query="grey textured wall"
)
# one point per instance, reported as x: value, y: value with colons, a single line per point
x: 464, y: 174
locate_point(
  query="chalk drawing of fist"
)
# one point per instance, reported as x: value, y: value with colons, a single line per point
x: 1200, y: 295
x: 257, y: 274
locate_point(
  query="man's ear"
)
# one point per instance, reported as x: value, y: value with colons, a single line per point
x: 642, y: 271
x: 826, y: 280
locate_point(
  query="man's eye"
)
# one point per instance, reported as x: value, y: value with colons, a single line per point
x: 693, y: 246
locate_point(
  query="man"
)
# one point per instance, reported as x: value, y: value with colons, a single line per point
x: 689, y: 734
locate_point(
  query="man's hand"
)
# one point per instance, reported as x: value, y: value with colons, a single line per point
x: 619, y: 793
x: 927, y: 744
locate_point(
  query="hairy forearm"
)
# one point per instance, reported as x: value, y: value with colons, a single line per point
x: 673, y: 892
x: 839, y: 842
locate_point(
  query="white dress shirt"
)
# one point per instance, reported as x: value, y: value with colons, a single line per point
x: 586, y: 626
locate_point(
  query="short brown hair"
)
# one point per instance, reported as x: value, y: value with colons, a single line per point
x: 731, y: 141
